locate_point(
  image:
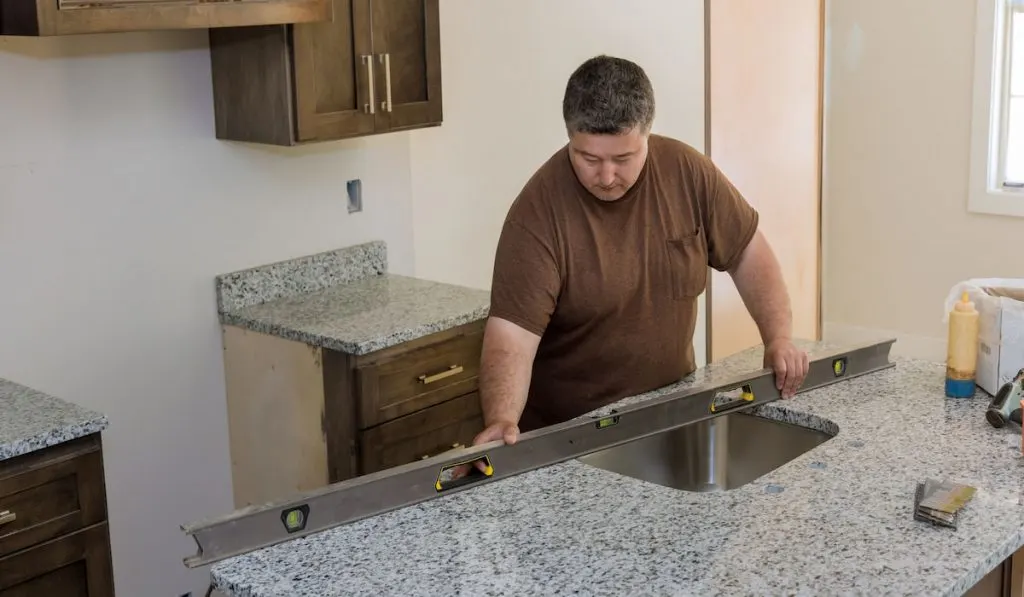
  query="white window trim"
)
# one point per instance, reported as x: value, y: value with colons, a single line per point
x: 986, y: 193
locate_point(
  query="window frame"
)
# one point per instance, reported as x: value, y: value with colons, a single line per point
x: 987, y: 193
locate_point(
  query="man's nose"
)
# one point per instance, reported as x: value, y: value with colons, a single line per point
x: 607, y: 176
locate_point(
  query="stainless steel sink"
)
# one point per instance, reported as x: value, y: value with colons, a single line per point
x: 718, y: 454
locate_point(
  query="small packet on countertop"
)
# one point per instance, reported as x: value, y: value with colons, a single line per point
x: 940, y: 502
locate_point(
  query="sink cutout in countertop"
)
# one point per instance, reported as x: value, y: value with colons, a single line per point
x: 717, y: 454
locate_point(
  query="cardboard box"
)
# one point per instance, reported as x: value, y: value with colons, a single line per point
x: 1000, y: 304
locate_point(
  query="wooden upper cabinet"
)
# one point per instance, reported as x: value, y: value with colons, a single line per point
x: 374, y: 68
x: 73, y: 17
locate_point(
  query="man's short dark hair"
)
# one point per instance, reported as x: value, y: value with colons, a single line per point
x: 608, y: 96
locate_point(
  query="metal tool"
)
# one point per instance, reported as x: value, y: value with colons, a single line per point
x: 1005, y: 405
x: 255, y: 527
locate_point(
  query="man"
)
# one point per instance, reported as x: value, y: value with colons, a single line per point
x: 602, y: 257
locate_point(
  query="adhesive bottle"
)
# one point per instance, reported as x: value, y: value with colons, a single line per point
x: 962, y: 349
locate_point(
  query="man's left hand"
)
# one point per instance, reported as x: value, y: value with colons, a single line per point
x: 789, y: 363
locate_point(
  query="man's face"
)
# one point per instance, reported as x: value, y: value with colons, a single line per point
x: 608, y: 165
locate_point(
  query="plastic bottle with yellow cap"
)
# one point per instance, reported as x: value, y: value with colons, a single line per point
x: 962, y: 349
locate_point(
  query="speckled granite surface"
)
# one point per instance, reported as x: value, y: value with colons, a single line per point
x: 835, y: 521
x: 345, y: 300
x: 31, y: 420
x: 300, y: 275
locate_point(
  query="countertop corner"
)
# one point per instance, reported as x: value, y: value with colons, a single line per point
x: 33, y: 420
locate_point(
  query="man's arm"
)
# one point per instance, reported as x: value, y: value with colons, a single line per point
x: 758, y: 279
x: 506, y: 363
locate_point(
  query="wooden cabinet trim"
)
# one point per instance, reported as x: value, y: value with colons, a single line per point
x: 46, y: 18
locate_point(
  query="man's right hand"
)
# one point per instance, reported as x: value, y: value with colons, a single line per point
x: 506, y: 431
x: 503, y: 430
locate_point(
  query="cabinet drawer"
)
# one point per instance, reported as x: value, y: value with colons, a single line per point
x: 424, y: 433
x: 47, y: 494
x: 417, y: 378
x: 75, y: 565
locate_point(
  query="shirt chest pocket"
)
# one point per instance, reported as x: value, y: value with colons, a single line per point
x: 687, y: 264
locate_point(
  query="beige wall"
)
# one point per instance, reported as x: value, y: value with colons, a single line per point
x: 898, y: 110
x: 505, y: 65
x: 117, y: 209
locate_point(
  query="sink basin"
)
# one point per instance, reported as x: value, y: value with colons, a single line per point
x: 717, y: 454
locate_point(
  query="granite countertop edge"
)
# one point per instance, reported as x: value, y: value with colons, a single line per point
x: 356, y: 347
x: 56, y: 436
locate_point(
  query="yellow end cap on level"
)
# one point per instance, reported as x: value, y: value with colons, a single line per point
x: 489, y: 471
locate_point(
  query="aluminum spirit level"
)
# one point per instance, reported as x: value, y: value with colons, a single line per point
x: 347, y: 501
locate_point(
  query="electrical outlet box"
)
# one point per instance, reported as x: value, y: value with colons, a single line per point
x: 355, y: 195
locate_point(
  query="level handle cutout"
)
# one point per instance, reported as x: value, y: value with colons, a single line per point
x: 459, y: 474
x: 732, y: 398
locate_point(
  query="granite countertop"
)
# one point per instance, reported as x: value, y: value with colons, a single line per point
x: 31, y: 420
x: 344, y: 300
x: 835, y: 520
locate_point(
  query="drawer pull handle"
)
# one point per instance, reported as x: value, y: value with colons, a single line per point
x: 453, y: 370
x: 7, y: 516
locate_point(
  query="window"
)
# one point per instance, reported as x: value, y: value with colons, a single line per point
x: 997, y: 144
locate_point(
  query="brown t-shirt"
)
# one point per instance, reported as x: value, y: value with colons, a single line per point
x: 612, y: 287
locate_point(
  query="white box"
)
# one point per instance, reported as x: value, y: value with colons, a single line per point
x: 1000, y: 304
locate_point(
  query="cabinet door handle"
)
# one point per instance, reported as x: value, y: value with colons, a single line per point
x: 371, y: 107
x: 453, y: 370
x: 386, y: 104
x: 7, y: 516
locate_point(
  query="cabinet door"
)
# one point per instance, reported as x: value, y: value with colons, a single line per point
x: 334, y: 69
x: 407, y: 46
x: 75, y: 565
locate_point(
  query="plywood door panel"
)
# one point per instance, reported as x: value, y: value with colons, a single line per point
x: 764, y: 131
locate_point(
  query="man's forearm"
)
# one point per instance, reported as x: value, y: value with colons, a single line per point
x: 758, y: 279
x: 506, y: 363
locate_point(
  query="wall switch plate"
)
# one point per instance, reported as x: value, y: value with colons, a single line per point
x: 355, y: 195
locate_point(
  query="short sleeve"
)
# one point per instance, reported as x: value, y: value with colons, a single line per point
x: 526, y: 281
x: 729, y: 220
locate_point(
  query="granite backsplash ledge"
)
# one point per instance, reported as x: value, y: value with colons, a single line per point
x: 301, y: 275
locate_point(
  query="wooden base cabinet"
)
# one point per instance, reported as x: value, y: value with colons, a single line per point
x: 301, y: 417
x: 374, y: 68
x: 53, y: 523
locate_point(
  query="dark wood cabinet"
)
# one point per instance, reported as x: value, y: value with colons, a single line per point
x: 54, y: 538
x: 73, y: 17
x: 301, y: 417
x: 374, y: 68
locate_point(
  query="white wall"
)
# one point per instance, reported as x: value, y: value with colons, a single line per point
x: 897, y: 154
x: 505, y: 65
x: 117, y: 209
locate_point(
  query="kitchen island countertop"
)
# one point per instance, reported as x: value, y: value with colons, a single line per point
x: 835, y: 520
